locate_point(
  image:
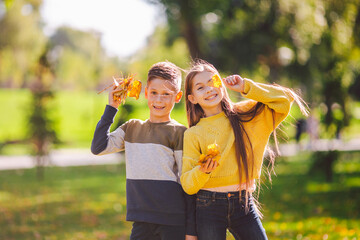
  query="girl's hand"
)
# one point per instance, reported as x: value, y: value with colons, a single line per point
x: 112, y: 102
x: 208, y: 166
x: 234, y: 82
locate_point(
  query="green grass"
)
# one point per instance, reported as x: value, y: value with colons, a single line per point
x: 75, y: 114
x: 13, y: 108
x: 299, y: 206
x: 89, y: 202
x: 72, y: 203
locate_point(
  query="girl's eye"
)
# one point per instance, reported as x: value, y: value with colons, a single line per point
x: 199, y: 88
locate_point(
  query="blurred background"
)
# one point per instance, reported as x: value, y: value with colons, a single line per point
x: 56, y: 55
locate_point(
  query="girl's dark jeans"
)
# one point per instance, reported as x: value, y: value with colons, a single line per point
x: 216, y: 212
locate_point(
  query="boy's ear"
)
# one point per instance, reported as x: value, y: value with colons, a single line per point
x: 146, y: 93
x: 178, y: 96
x: 192, y: 99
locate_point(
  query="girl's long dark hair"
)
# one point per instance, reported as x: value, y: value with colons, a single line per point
x: 237, y: 118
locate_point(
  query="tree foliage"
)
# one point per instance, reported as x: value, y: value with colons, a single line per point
x: 21, y: 42
x: 310, y: 44
x: 77, y: 57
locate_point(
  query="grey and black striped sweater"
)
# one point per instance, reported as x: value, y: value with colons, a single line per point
x: 153, y: 153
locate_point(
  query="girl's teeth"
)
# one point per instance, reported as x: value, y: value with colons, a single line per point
x: 211, y: 97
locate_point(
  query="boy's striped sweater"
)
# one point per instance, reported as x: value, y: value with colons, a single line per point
x: 153, y: 153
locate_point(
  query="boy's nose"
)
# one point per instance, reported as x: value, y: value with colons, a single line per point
x: 159, y: 98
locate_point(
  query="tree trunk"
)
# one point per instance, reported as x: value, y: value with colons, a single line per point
x: 188, y: 28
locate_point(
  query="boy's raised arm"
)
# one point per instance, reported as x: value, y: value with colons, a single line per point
x: 102, y: 131
x: 105, y: 142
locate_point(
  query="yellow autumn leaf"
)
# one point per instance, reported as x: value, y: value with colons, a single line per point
x: 213, y: 151
x: 135, y: 89
x: 216, y: 81
x: 129, y: 87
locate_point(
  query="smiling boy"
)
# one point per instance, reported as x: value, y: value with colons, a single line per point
x: 156, y: 202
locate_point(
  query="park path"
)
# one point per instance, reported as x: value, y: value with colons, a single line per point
x: 80, y: 157
x: 61, y: 158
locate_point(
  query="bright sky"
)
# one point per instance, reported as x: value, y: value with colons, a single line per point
x: 124, y: 24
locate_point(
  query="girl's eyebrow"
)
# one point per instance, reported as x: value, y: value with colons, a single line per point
x: 199, y: 83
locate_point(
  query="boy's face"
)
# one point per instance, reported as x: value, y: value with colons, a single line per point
x: 161, y: 96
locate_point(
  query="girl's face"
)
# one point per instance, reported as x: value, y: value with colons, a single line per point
x: 205, y: 94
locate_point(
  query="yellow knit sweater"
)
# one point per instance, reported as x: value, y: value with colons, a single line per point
x: 218, y: 129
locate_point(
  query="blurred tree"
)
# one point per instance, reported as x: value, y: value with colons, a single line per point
x: 311, y: 44
x: 41, y: 129
x: 314, y: 43
x: 158, y: 50
x: 21, y: 41
x: 78, y: 58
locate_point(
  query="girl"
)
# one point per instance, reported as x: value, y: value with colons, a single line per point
x: 241, y: 130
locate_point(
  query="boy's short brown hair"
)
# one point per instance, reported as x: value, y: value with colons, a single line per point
x: 167, y: 71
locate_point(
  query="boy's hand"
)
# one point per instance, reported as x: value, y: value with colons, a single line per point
x: 208, y: 166
x: 235, y: 83
x: 112, y: 102
x: 189, y: 237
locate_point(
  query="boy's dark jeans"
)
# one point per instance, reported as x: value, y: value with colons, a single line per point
x: 216, y: 212
x: 151, y: 231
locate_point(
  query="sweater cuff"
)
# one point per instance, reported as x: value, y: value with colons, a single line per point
x: 109, y: 113
x: 202, y: 175
x: 247, y: 85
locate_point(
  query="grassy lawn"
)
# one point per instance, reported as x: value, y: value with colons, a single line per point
x: 72, y: 203
x: 89, y: 203
x: 75, y: 115
x: 299, y: 206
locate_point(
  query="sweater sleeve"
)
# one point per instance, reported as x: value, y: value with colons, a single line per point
x: 192, y: 179
x: 178, y: 149
x: 275, y: 98
x: 103, y: 141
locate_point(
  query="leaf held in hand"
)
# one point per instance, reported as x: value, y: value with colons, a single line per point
x: 128, y: 87
x: 135, y: 89
x: 213, y: 151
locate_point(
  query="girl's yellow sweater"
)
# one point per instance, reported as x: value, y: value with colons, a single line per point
x: 218, y: 129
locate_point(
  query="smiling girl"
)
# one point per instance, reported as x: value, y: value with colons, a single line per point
x: 241, y: 130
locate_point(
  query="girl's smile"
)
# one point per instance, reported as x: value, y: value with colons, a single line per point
x: 211, y: 97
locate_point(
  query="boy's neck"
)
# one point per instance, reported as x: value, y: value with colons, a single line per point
x: 155, y: 119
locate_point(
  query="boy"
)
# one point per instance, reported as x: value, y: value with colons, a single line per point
x: 156, y: 202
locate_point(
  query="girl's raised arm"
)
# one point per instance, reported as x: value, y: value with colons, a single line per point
x: 274, y: 97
